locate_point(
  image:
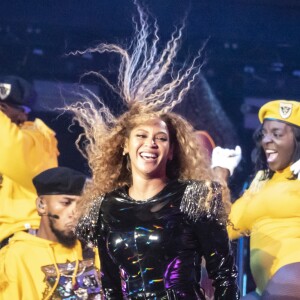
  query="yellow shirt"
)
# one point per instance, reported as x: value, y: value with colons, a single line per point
x: 270, y: 212
x: 32, y: 268
x: 24, y: 152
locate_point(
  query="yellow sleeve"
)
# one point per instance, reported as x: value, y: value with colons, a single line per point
x: 237, y: 226
x: 26, y: 151
x: 8, y: 277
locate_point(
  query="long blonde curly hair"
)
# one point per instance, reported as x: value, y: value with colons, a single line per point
x: 150, y: 86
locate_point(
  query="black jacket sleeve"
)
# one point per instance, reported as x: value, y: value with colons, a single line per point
x: 203, y: 205
x: 110, y: 275
x: 220, y: 263
x: 92, y: 231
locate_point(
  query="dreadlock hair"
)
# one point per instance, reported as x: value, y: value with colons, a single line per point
x: 150, y: 87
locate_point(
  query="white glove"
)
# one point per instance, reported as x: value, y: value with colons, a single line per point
x: 227, y: 158
x: 295, y: 168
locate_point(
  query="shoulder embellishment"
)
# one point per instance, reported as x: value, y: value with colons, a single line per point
x: 87, y: 225
x: 202, y: 200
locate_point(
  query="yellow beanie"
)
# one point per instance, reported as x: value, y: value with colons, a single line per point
x: 282, y: 110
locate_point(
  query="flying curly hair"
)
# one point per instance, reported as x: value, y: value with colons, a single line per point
x: 150, y: 87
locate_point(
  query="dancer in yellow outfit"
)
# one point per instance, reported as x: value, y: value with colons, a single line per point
x: 270, y: 209
x: 50, y: 265
x: 27, y: 148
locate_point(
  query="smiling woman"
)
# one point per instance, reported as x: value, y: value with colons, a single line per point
x: 278, y: 143
x: 270, y: 209
x: 149, y: 149
x: 153, y: 208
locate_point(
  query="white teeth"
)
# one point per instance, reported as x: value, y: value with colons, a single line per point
x: 149, y: 155
x: 270, y: 151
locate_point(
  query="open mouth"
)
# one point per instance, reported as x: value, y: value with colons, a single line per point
x: 271, y: 155
x: 148, y: 156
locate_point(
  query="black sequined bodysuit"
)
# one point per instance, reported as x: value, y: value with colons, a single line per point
x: 152, y: 249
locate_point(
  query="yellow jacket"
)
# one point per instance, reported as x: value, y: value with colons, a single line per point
x: 32, y: 268
x: 270, y: 212
x: 24, y: 152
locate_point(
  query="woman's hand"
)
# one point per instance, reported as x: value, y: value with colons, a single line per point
x: 227, y: 158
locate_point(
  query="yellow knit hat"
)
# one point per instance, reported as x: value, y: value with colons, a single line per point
x: 282, y: 110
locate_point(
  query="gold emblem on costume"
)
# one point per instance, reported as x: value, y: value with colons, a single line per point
x: 5, y: 89
x: 285, y: 110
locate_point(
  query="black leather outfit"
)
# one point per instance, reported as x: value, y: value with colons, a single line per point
x: 153, y: 250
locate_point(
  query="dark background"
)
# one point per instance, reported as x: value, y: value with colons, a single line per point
x: 252, y: 51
